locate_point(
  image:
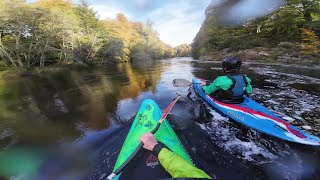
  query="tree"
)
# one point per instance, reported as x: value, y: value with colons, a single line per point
x: 18, y: 23
x: 289, y: 23
x: 183, y: 50
x: 57, y: 32
x: 310, y: 42
x: 60, y: 29
x: 91, y: 37
x: 120, y: 29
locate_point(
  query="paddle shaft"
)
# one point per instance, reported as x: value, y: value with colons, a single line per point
x: 187, y: 83
x: 163, y: 117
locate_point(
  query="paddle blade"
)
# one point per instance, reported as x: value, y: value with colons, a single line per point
x: 168, y: 109
x: 181, y: 83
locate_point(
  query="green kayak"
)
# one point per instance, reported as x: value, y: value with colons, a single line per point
x: 146, y: 164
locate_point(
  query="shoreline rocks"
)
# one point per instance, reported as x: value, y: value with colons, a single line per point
x: 285, y: 52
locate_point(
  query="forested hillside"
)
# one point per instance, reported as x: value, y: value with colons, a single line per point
x: 290, y: 32
x: 50, y: 32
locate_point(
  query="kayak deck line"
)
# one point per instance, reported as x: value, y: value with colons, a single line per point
x: 261, y: 115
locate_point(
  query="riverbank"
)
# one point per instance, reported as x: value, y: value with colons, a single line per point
x: 11, y: 72
x: 283, y: 53
x: 256, y: 55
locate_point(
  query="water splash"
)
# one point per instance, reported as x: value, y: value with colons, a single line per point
x: 244, y: 145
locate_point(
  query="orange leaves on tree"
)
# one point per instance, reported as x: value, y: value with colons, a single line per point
x: 310, y: 42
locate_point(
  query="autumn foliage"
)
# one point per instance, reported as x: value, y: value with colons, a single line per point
x: 310, y: 42
x: 50, y: 32
x: 296, y: 22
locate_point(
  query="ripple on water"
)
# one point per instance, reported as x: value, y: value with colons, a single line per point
x: 6, y: 133
x: 237, y: 140
x: 290, y: 104
x: 276, y: 157
x: 8, y: 139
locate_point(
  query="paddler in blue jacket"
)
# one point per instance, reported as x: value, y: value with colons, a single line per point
x: 176, y: 166
x: 231, y: 87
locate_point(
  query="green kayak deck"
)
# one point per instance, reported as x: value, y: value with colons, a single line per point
x: 145, y: 121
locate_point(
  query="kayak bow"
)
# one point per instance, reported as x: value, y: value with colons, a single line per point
x: 148, y: 119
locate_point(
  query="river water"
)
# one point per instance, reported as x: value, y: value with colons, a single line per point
x: 89, y: 111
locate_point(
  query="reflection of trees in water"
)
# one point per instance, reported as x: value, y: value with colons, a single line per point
x: 137, y: 81
x: 32, y: 109
x: 56, y: 105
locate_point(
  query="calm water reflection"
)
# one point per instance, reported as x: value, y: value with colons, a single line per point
x: 85, y: 106
x: 52, y: 106
x: 62, y: 105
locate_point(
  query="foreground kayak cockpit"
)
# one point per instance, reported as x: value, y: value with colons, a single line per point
x: 146, y: 164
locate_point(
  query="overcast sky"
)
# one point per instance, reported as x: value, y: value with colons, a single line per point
x: 176, y: 21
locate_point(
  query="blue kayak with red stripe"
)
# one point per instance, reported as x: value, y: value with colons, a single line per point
x: 256, y: 116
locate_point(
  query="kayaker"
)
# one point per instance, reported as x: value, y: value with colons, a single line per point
x: 176, y: 166
x: 231, y: 87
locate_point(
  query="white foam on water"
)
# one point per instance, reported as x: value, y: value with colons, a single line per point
x: 290, y: 104
x: 277, y: 112
x: 216, y: 68
x: 202, y: 126
x: 6, y: 133
x: 298, y: 117
x: 249, y: 149
x: 307, y: 127
x: 224, y: 134
x: 273, y: 102
x: 103, y: 176
x: 296, y: 78
x: 289, y: 119
x: 218, y: 116
x: 198, y: 69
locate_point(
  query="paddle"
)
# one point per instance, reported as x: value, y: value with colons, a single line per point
x: 186, y: 83
x: 163, y: 117
x: 183, y: 83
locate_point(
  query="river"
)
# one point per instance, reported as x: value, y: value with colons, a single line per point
x: 90, y: 111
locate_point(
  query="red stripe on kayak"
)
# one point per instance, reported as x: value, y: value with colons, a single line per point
x: 247, y: 110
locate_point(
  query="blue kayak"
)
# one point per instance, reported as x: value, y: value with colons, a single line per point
x: 255, y: 116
